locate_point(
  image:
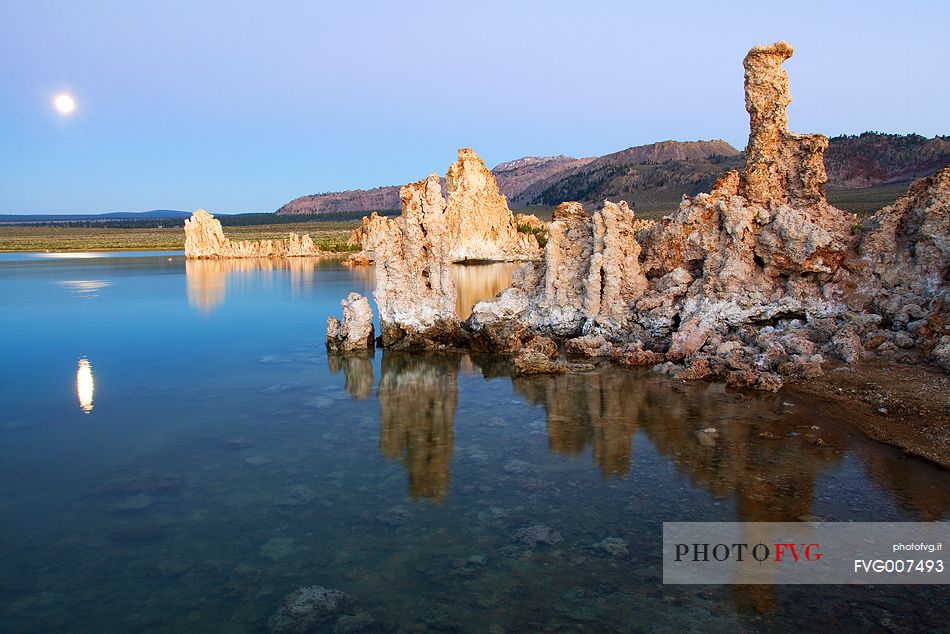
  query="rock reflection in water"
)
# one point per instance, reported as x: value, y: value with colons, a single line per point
x: 418, y: 395
x: 766, y: 453
x: 763, y: 455
x: 596, y: 407
x: 477, y: 282
x: 207, y: 280
x: 357, y: 367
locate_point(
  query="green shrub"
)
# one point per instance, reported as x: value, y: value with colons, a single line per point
x: 541, y: 233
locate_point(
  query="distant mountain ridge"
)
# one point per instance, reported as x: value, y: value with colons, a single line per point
x: 655, y: 176
x: 155, y: 214
x: 514, y: 178
x: 682, y: 165
x: 875, y: 158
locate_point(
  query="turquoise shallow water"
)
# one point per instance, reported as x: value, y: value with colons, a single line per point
x: 222, y: 460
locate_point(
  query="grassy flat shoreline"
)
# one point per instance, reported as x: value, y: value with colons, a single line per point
x: 330, y: 236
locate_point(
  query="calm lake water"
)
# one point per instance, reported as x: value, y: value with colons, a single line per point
x: 178, y: 453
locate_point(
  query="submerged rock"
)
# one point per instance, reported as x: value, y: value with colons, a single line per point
x: 355, y: 332
x: 531, y: 536
x: 310, y: 609
x: 138, y: 502
x: 395, y: 516
x: 278, y: 548
x: 613, y: 546
x: 150, y: 484
x: 137, y: 534
x: 351, y: 623
x: 537, y: 363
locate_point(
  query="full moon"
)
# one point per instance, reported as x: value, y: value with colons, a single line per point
x: 64, y: 103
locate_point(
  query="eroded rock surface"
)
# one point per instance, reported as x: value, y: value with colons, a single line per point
x: 757, y: 280
x: 415, y: 294
x: 781, y: 167
x: 588, y: 281
x: 355, y: 332
x: 479, y: 226
x: 204, y: 239
x: 310, y: 609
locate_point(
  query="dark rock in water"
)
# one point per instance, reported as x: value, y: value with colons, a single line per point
x: 531, y: 536
x: 613, y: 546
x: 142, y: 534
x: 149, y: 484
x: 310, y: 609
x: 395, y: 516
x: 537, y: 363
x: 351, y: 623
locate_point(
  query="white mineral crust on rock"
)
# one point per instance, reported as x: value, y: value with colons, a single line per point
x: 753, y: 281
x: 355, y: 332
x: 762, y: 262
x: 414, y: 289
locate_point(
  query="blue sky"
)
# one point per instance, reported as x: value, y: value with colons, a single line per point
x: 237, y: 106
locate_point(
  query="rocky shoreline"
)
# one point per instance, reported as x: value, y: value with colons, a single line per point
x: 904, y: 405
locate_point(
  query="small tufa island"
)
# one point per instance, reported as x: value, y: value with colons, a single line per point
x: 204, y: 239
x: 757, y: 280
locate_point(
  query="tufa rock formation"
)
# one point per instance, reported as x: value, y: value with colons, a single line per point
x: 781, y: 167
x: 355, y: 332
x: 204, y: 239
x: 757, y: 280
x: 588, y: 280
x: 903, y: 278
x: 479, y: 225
x: 414, y: 292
